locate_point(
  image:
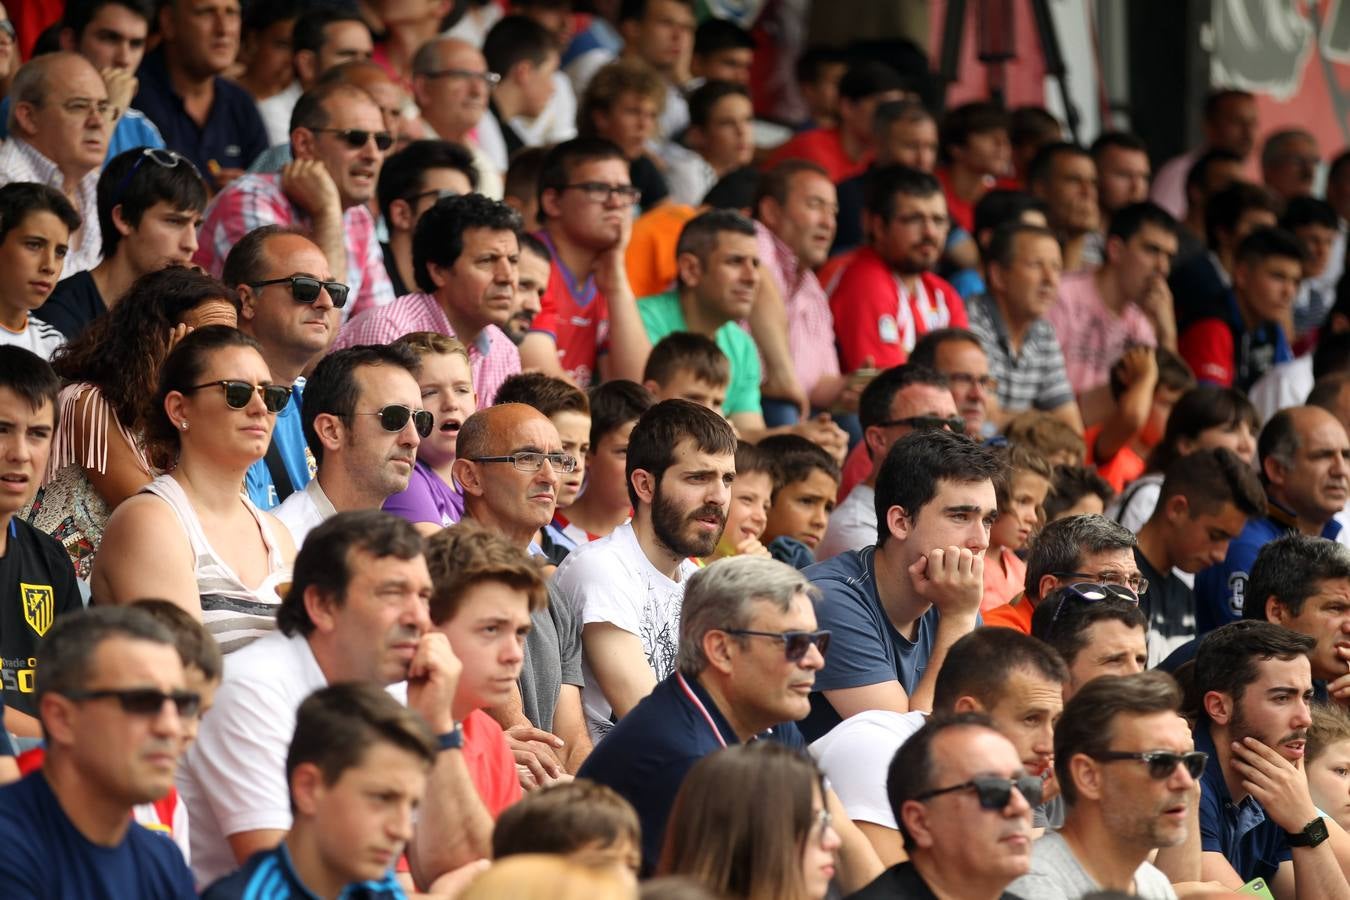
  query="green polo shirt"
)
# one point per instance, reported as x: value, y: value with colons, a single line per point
x: 661, y: 315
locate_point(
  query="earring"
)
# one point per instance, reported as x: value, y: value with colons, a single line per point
x: 184, y: 426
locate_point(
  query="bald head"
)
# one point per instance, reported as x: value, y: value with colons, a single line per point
x: 511, y: 499
x: 451, y: 85
x: 1305, y: 461
x: 59, y: 105
x: 488, y: 431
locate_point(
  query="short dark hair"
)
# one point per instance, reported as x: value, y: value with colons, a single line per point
x: 66, y: 651
x: 1225, y: 208
x: 127, y: 181
x: 1069, y: 484
x: 749, y: 460
x: 868, y: 77
x: 324, y: 560
x: 196, y: 647
x: 516, y: 39
x: 1000, y: 206
x: 614, y: 404
x: 917, y: 462
x: 685, y: 351
x: 637, y: 9
x: 1198, y: 173
x: 1303, y: 211
x: 1088, y: 723
x: 1216, y: 98
x: 1326, y: 391
x: 1128, y: 220
x: 911, y: 770
x: 310, y: 112
x: 556, y: 169
x: 1291, y: 569
x: 882, y: 185
x: 926, y: 347
x: 247, y: 260
x: 1061, y: 546
x: 545, y: 393
x: 1122, y: 140
x: 79, y: 13
x: 1279, y: 440
x: 1199, y: 409
x: 1263, y: 243
x: 983, y: 661
x: 714, y: 35
x: 959, y: 123
x: 1062, y: 620
x: 1002, y: 249
x: 404, y: 173
x: 563, y: 818
x: 793, y: 458
x: 1033, y: 125
x: 1226, y: 659
x: 531, y: 244
x: 1211, y: 478
x: 522, y: 174
x: 20, y: 199
x: 1331, y: 356
x: 332, y: 388
x: 813, y: 61
x: 706, y: 96
x: 734, y: 191
x: 308, y: 33
x: 652, y: 445
x: 260, y: 16
x: 336, y: 726
x: 1043, y: 163
x: 439, y: 235
x: 874, y: 404
x: 30, y: 377
x: 702, y: 234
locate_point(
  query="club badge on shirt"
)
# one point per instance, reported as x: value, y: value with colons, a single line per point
x: 887, y: 330
x: 39, y: 606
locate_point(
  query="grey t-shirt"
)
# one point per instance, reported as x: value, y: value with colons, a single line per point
x: 1056, y: 875
x: 552, y: 659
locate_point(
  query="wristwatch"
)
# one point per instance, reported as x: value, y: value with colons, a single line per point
x: 454, y: 740
x: 1314, y: 833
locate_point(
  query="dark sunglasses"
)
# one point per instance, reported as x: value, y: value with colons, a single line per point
x: 1086, y: 592
x: 357, y: 138
x: 160, y: 156
x: 306, y: 289
x: 239, y: 393
x: 395, y: 418
x: 928, y: 423
x: 795, y: 643
x: 1161, y: 763
x: 144, y: 701
x: 992, y: 792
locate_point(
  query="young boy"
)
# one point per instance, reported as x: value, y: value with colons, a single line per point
x: 1145, y: 384
x: 35, y: 226
x: 1021, y: 501
x: 570, y: 412
x: 688, y: 366
x: 1048, y: 435
x: 604, y: 504
x: 751, y: 498
x: 805, y: 482
x: 579, y: 819
x: 1076, y: 491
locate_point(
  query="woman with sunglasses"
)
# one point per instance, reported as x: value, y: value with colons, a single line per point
x: 192, y: 536
x: 98, y: 458
x: 750, y: 822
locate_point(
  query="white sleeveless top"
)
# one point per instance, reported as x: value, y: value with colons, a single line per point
x: 234, y: 614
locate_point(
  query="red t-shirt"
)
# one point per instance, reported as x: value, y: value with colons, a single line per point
x: 870, y: 322
x: 857, y: 467
x: 577, y: 318
x: 1207, y: 347
x: 1120, y: 469
x: 490, y: 762
x: 825, y: 148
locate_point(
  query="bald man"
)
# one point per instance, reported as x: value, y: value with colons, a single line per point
x: 58, y: 123
x: 451, y: 86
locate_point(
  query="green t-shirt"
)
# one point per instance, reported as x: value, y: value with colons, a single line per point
x: 661, y: 315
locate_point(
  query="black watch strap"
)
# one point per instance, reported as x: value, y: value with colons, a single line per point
x: 452, y: 739
x: 1314, y: 833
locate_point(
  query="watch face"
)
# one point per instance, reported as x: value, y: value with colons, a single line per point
x: 1316, y: 830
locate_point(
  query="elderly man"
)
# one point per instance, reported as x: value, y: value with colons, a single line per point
x: 452, y: 87
x: 338, y: 141
x: 58, y: 136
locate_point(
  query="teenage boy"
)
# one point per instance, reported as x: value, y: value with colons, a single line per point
x: 805, y: 482
x: 150, y: 204
x: 976, y: 153
x: 35, y: 226
x: 604, y: 504
x: 688, y: 366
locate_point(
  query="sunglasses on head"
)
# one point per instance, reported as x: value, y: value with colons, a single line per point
x: 305, y: 289
x: 160, y: 156
x: 356, y: 138
x: 1161, y: 763
x: 1088, y: 592
x: 994, y: 792
x: 395, y: 418
x: 796, y: 644
x: 144, y: 701
x: 239, y: 393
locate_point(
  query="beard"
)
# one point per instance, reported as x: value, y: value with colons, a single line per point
x: 1239, y: 728
x: 671, y: 526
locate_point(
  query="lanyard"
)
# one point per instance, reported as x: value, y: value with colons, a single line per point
x: 698, y: 704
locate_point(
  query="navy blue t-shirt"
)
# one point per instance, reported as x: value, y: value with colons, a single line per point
x: 43, y: 855
x: 1251, y: 841
x: 650, y: 750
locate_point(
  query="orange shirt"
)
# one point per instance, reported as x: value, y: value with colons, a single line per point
x: 1120, y: 469
x: 1015, y: 615
x: 650, y: 258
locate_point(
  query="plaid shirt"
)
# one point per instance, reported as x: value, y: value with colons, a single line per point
x: 810, y: 324
x: 20, y: 162
x: 492, y: 357
x: 1034, y: 377
x: 252, y: 201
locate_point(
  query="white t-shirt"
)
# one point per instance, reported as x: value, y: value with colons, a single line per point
x: 37, y: 335
x: 855, y: 756
x: 853, y: 524
x: 611, y: 580
x: 233, y: 778
x: 1056, y: 874
x: 303, y: 511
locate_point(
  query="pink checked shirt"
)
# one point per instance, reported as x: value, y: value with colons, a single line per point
x: 810, y: 324
x: 1091, y: 336
x: 252, y: 201
x: 492, y: 357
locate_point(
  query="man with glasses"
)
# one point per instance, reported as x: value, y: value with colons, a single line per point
x: 629, y: 584
x: 58, y: 136
x: 466, y: 257
x: 338, y: 140
x: 896, y: 607
x: 363, y: 419
x: 1097, y: 628
x: 114, y: 707
x: 451, y: 87
x: 896, y: 402
x: 411, y: 181
x: 1128, y: 770
x: 958, y: 354
x: 963, y: 804
x: 1289, y: 163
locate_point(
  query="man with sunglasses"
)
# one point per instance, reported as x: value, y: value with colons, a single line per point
x: 363, y: 419
x: 113, y: 703
x: 963, y: 804
x: 1128, y: 770
x: 338, y: 141
x: 411, y: 181
x: 896, y: 402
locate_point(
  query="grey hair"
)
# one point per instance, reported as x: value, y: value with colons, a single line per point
x: 1062, y: 545
x: 1273, y: 149
x: 720, y: 596
x: 30, y: 84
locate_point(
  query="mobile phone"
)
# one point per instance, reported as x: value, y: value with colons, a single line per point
x: 1257, y: 888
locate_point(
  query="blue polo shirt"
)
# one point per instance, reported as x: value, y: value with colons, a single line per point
x: 289, y: 437
x: 233, y: 135
x: 269, y: 874
x: 1252, y: 843
x: 647, y: 755
x: 1220, y: 590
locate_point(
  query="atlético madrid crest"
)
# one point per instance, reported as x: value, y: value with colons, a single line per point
x: 39, y: 606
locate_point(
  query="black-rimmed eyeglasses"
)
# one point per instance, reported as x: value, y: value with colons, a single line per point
x: 599, y: 192
x: 927, y: 423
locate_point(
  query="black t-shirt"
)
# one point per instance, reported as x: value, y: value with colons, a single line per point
x: 902, y: 882
x: 1170, y: 607
x: 74, y: 304
x: 647, y: 178
x: 38, y: 584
